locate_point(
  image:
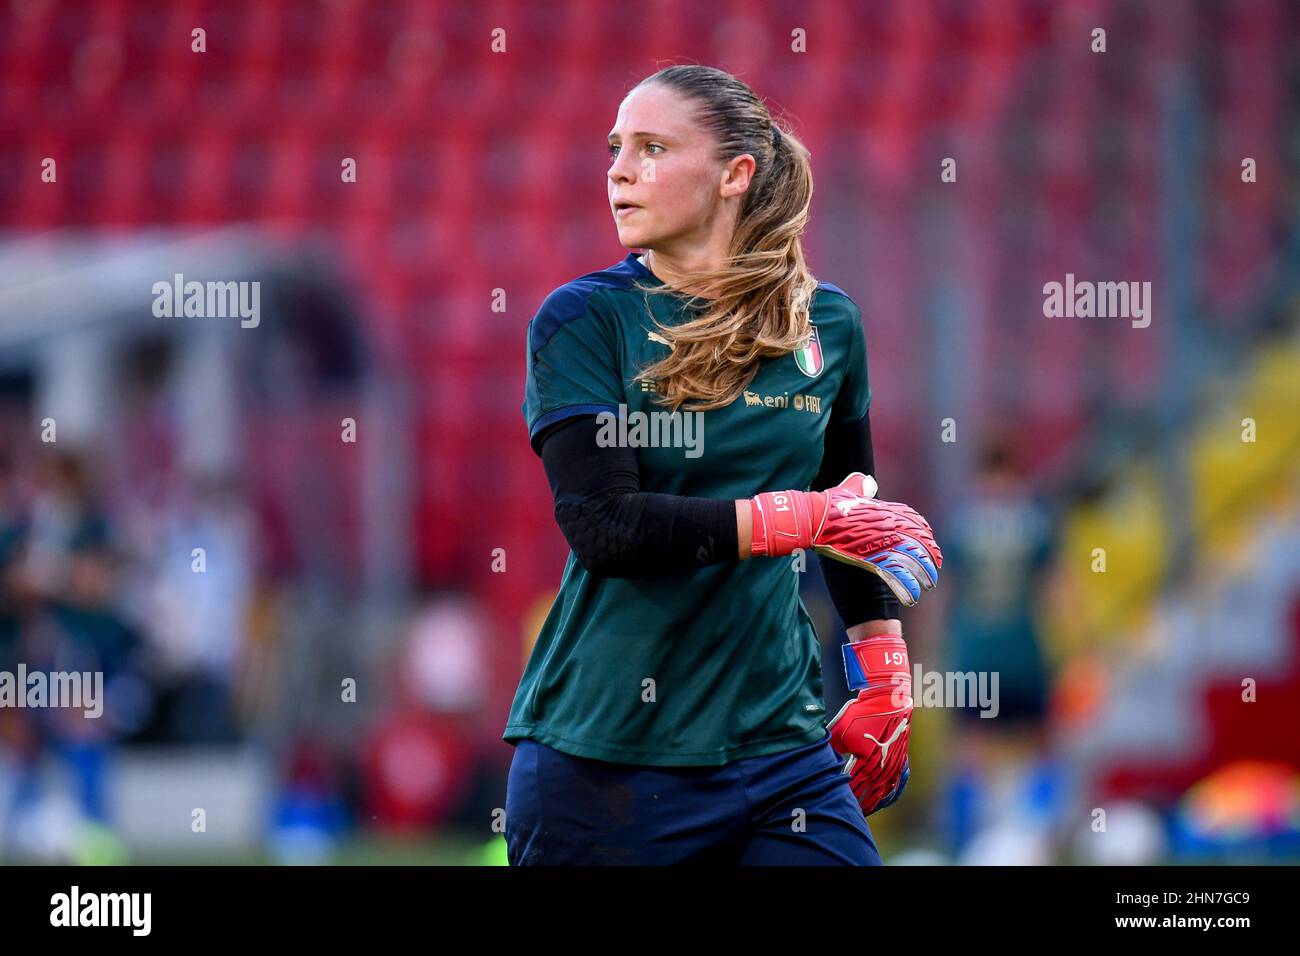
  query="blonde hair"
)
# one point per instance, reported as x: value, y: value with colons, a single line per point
x: 758, y: 303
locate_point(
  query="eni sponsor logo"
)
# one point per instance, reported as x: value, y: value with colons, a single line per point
x: 799, y: 402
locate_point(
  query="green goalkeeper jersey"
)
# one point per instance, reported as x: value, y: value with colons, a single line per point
x: 716, y: 663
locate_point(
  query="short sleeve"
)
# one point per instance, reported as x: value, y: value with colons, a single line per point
x: 573, y: 366
x: 854, y: 397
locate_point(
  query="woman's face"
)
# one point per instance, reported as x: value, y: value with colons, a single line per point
x: 665, y: 186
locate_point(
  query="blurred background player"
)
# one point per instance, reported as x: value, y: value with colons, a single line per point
x: 1003, y: 795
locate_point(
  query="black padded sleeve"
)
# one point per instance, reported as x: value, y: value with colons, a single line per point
x: 858, y: 595
x: 614, y: 528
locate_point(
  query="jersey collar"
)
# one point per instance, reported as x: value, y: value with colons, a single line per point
x: 641, y: 271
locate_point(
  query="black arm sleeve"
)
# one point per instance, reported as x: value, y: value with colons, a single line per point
x: 614, y: 528
x: 858, y: 596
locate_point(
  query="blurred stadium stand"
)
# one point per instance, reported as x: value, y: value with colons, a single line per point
x: 479, y: 172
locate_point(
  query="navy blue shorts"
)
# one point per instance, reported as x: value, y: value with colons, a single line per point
x: 793, y: 808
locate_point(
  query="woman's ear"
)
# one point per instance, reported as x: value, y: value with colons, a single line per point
x: 737, y: 175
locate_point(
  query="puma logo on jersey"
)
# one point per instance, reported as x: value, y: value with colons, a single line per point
x: 884, y: 748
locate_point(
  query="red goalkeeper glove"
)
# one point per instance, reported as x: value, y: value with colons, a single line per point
x: 847, y: 523
x: 873, y: 728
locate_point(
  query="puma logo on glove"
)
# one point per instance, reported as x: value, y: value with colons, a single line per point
x: 872, y: 729
x: 848, y: 524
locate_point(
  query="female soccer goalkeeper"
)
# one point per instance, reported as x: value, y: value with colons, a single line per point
x: 672, y: 711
